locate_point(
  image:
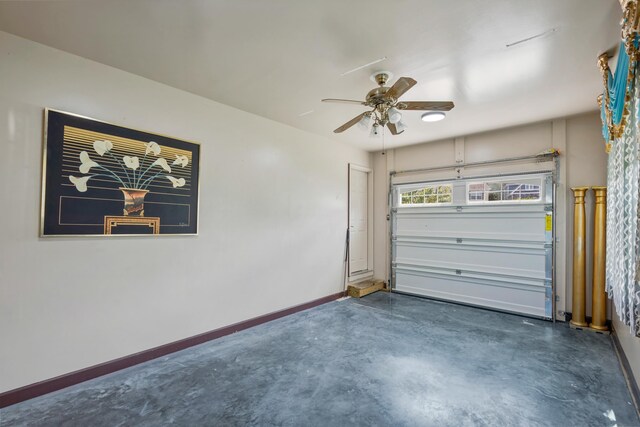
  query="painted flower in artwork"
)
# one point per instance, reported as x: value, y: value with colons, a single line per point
x: 131, y: 162
x: 86, y: 163
x: 152, y: 147
x: 181, y: 160
x: 102, y: 146
x: 128, y: 171
x: 179, y: 182
x: 80, y: 183
x: 162, y: 163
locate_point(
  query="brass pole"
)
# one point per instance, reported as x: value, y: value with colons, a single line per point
x: 599, y: 306
x: 579, y: 259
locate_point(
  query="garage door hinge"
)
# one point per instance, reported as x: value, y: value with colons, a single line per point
x: 459, y: 209
x: 548, y: 245
x: 458, y: 272
x: 548, y: 208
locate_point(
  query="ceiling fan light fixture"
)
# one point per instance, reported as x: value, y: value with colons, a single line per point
x: 375, y: 130
x: 365, y: 122
x: 401, y: 126
x: 432, y: 116
x: 394, y: 115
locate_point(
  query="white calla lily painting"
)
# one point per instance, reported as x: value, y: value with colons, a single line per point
x: 102, y: 178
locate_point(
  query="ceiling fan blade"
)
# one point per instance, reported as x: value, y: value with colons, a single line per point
x: 393, y: 129
x: 400, y: 87
x: 343, y: 101
x: 350, y: 123
x: 426, y: 105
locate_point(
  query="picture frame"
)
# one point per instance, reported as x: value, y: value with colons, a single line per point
x: 103, y: 179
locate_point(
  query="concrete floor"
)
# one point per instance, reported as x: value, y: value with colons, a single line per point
x: 386, y: 359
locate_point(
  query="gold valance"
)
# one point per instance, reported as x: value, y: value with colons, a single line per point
x: 614, y: 100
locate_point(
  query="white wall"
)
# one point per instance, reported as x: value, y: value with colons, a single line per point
x: 273, y: 212
x: 582, y: 163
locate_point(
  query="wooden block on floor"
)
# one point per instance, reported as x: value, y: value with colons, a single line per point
x: 360, y: 289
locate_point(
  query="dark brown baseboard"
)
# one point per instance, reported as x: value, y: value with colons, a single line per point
x: 47, y: 386
x: 632, y: 384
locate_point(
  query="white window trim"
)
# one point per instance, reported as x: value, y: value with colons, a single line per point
x: 501, y: 202
x: 422, y: 205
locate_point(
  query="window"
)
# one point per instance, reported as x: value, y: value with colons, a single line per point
x: 513, y: 190
x: 427, y: 195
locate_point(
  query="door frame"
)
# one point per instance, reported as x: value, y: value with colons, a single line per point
x: 351, y: 278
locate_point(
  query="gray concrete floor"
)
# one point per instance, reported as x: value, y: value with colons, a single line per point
x: 386, y: 359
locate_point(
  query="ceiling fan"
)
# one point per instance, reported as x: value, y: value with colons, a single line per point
x: 386, y: 109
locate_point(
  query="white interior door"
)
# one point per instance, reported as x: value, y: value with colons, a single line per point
x: 358, y: 220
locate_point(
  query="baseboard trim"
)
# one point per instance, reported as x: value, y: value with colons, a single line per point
x: 627, y: 372
x: 30, y: 391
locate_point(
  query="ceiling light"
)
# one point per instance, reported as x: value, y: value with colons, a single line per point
x: 375, y: 131
x: 401, y: 126
x: 394, y: 115
x: 432, y: 116
x: 365, y: 122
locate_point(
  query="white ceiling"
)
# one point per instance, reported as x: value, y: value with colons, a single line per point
x: 278, y: 58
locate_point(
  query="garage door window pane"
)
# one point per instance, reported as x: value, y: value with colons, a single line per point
x: 428, y: 195
x: 519, y: 190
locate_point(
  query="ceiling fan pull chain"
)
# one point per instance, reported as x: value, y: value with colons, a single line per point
x: 383, y: 132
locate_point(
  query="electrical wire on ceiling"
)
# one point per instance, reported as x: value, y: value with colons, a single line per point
x: 363, y: 66
x: 537, y: 36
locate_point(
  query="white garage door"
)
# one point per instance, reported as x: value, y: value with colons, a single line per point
x: 483, y: 241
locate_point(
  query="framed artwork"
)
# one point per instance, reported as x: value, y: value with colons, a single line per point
x: 102, y: 179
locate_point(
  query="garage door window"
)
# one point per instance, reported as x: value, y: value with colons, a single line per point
x: 427, y: 195
x: 508, y: 191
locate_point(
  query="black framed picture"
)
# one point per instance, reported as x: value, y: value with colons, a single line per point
x: 103, y: 179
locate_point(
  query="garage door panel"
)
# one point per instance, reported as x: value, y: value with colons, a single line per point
x: 476, y: 292
x: 495, y: 244
x: 464, y: 255
x: 493, y: 255
x: 484, y: 224
x: 495, y: 275
x: 515, y: 237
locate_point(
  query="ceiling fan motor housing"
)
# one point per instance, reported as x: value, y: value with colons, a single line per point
x: 376, y: 97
